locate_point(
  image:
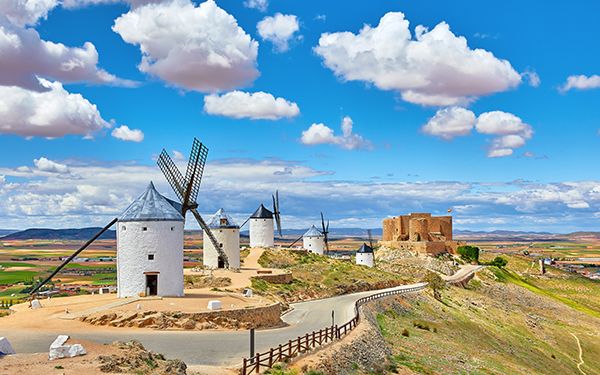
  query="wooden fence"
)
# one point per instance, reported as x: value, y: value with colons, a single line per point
x: 314, y: 339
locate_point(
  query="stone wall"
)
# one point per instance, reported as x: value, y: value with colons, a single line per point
x: 425, y: 247
x: 258, y: 317
x: 285, y: 278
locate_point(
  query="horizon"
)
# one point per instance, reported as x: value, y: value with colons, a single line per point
x: 363, y: 112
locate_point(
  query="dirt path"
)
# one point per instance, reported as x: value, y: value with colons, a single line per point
x: 580, y: 354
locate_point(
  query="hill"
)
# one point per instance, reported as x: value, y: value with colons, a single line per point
x: 60, y: 234
x: 4, y: 232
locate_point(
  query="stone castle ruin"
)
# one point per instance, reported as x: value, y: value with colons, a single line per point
x: 421, y: 233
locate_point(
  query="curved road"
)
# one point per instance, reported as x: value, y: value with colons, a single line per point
x: 218, y: 348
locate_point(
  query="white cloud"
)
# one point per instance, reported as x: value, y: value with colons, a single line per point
x: 279, y: 30
x: 2, y: 179
x: 581, y: 83
x: 529, y: 154
x: 71, y: 4
x: 261, y: 5
x: 319, y: 134
x: 258, y: 105
x: 126, y: 134
x: 532, y: 77
x: 450, y: 122
x: 23, y: 169
x: 47, y: 165
x: 437, y: 69
x: 26, y: 12
x: 50, y: 114
x: 25, y: 57
x: 196, y: 48
x: 456, y: 121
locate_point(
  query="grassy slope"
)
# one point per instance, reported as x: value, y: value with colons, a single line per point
x: 504, y: 324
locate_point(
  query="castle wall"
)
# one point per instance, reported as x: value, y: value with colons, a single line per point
x: 136, y: 242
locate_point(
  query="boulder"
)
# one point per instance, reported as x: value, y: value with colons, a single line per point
x: 58, y: 349
x: 5, y: 347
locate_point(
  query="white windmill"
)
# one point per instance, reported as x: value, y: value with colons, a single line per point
x: 262, y: 232
x: 364, y: 255
x: 150, y: 247
x: 227, y: 235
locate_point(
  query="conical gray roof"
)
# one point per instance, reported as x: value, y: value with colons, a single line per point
x: 365, y: 249
x: 151, y: 206
x: 313, y: 232
x: 262, y: 213
x: 215, y: 221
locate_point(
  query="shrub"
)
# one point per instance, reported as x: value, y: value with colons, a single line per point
x: 499, y: 262
x: 469, y: 253
x: 405, y: 332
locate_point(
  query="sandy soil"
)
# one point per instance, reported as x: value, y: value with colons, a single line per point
x: 51, y: 317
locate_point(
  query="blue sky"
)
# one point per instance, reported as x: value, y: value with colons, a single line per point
x: 360, y: 110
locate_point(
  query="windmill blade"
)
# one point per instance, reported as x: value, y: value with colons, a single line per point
x: 244, y: 223
x: 299, y: 238
x: 73, y: 256
x: 325, y: 231
x: 171, y: 172
x: 193, y: 174
x: 370, y: 238
x: 211, y: 236
x: 276, y: 212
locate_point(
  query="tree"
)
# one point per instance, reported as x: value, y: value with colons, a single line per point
x: 499, y: 262
x: 469, y: 253
x: 435, y: 283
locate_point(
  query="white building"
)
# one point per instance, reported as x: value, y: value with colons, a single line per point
x: 313, y: 241
x: 364, y: 256
x: 227, y: 233
x: 150, y: 247
x: 262, y: 232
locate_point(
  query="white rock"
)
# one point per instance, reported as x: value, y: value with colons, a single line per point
x: 5, y: 347
x: 59, y: 350
x: 35, y: 304
x: 214, y: 305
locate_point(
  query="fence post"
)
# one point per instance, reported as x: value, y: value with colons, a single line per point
x: 257, y: 363
x: 290, y: 350
x: 251, y: 345
x: 244, y: 367
x: 271, y: 358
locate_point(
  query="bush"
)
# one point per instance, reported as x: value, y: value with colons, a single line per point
x: 405, y: 332
x: 499, y: 262
x: 469, y: 253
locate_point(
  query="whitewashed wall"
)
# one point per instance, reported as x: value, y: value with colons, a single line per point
x: 262, y: 232
x: 164, y: 239
x: 313, y: 244
x: 364, y: 259
x: 230, y: 238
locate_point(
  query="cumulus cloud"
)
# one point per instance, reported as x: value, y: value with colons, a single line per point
x: 126, y: 134
x: 49, y: 114
x: 25, y: 57
x: 47, y: 165
x: 2, y: 179
x: 261, y: 5
x: 449, y: 123
x: 26, y: 12
x: 258, y: 105
x: 196, y: 48
x: 581, y: 83
x: 437, y: 68
x: 279, y: 30
x: 456, y: 121
x: 529, y: 154
x: 319, y: 134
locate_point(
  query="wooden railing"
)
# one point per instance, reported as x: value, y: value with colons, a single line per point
x: 316, y: 338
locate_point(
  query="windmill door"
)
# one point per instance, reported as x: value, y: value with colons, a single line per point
x: 151, y: 285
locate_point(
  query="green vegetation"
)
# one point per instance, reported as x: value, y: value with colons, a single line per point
x: 499, y: 262
x: 468, y: 253
x: 435, y: 283
x: 13, y: 277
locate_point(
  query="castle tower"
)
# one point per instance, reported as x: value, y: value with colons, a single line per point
x: 313, y: 241
x: 150, y: 247
x: 227, y: 233
x: 261, y: 228
x: 364, y: 256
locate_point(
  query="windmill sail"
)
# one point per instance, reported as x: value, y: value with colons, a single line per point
x: 187, y: 189
x: 325, y: 231
x: 276, y: 211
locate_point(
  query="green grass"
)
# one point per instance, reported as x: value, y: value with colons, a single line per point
x: 16, y: 264
x: 12, y: 277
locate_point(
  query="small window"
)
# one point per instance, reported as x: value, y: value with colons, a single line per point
x: 144, y: 229
x: 150, y: 256
x: 223, y: 222
x: 220, y: 245
x: 172, y: 229
x: 123, y: 227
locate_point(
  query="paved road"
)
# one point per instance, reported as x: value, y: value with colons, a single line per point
x: 220, y: 347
